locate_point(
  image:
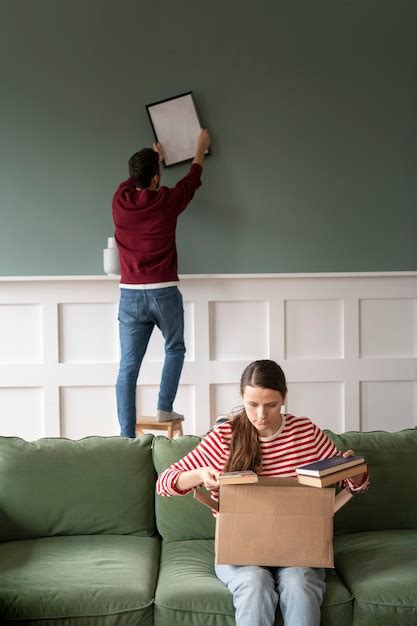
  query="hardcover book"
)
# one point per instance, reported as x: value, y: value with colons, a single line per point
x: 333, y: 478
x: 236, y: 478
x: 328, y: 466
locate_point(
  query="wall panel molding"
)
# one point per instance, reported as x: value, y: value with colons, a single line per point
x: 347, y: 343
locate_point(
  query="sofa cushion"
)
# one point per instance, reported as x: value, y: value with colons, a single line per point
x: 90, y: 580
x: 392, y: 464
x: 97, y: 485
x: 189, y: 593
x: 380, y: 570
x: 188, y: 590
x: 179, y: 518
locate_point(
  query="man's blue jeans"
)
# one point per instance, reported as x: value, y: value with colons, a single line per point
x: 257, y: 591
x: 139, y: 311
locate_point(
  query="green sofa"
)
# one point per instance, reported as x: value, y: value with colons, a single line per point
x: 84, y: 541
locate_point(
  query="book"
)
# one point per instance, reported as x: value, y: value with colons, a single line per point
x: 328, y: 466
x: 236, y: 478
x: 332, y: 479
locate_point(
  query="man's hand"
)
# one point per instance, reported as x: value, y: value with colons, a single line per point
x: 208, y: 477
x: 204, y: 140
x: 203, y: 143
x: 159, y: 149
x: 357, y: 480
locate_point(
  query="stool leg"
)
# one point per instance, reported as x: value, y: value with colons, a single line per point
x: 178, y: 432
x: 169, y: 431
x: 139, y: 431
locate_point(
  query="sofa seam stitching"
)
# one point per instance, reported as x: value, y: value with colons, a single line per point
x: 399, y: 606
x: 124, y: 611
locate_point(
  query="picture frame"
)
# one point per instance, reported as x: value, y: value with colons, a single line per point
x: 176, y: 125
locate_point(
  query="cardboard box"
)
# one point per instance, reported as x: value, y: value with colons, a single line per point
x: 275, y: 521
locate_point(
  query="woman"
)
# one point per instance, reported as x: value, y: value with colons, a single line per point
x: 262, y: 439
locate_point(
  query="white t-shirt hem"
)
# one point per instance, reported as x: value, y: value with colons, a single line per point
x: 172, y: 283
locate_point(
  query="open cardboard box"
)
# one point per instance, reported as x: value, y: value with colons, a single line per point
x: 275, y: 521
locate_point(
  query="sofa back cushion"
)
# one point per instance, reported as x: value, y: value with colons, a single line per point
x: 391, y: 500
x: 97, y: 485
x: 179, y: 518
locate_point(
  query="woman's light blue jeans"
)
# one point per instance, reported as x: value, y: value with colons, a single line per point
x: 139, y: 312
x: 257, y: 591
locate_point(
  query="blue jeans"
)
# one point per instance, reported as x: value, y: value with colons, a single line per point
x: 257, y: 591
x: 139, y: 311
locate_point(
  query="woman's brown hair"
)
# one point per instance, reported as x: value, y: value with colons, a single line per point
x: 245, y: 451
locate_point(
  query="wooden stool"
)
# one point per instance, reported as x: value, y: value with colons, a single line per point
x: 151, y: 423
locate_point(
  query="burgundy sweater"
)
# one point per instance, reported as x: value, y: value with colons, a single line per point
x: 145, y: 223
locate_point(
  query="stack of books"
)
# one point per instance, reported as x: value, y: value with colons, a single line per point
x: 330, y: 471
x: 237, y: 478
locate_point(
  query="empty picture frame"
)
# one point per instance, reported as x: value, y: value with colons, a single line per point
x: 176, y: 125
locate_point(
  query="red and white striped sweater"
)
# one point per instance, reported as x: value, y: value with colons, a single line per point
x: 297, y: 442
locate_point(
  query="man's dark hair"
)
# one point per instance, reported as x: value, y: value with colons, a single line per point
x: 143, y: 166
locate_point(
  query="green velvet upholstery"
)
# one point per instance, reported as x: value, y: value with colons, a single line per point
x: 97, y: 485
x: 380, y: 570
x: 391, y: 501
x: 337, y: 608
x: 94, y: 580
x: 188, y: 592
x: 192, y: 520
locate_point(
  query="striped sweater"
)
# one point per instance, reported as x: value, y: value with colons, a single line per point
x: 297, y: 442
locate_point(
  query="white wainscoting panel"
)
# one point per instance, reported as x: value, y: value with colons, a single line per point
x: 21, y: 412
x: 376, y: 327
x: 88, y: 411
x: 224, y: 398
x: 21, y: 333
x: 388, y: 405
x: 346, y: 342
x: 314, y: 329
x: 325, y: 402
x: 87, y: 333
x: 239, y: 331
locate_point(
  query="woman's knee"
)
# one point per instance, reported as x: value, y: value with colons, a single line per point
x: 293, y: 580
x: 256, y: 580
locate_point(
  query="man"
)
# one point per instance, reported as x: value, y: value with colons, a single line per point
x: 145, y: 217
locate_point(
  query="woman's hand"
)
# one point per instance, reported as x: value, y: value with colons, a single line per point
x: 208, y: 477
x: 357, y: 480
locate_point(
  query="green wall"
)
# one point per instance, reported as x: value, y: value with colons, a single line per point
x: 311, y: 107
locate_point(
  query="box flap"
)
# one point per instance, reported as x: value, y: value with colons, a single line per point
x: 341, y: 499
x: 205, y: 498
